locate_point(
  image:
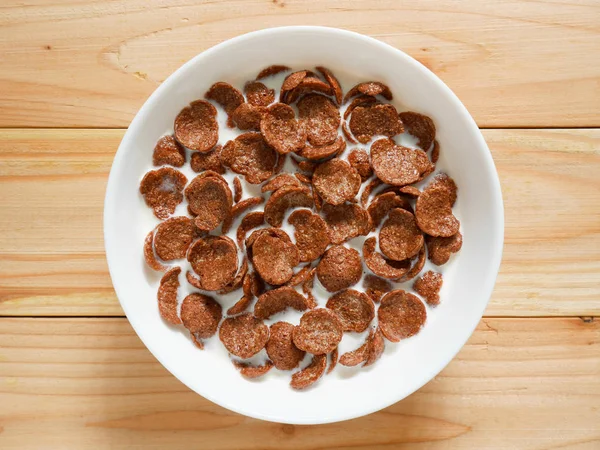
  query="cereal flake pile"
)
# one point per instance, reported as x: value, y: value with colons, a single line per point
x: 320, y: 200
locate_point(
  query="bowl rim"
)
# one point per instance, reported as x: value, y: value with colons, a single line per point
x: 496, y: 200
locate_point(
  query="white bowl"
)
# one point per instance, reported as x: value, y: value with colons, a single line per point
x: 468, y: 281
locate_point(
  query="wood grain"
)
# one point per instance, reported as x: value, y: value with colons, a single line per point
x: 90, y: 63
x: 90, y: 383
x: 52, y: 184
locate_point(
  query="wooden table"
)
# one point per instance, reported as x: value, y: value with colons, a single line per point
x: 72, y: 372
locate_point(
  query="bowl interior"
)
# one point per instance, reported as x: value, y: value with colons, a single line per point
x: 468, y: 280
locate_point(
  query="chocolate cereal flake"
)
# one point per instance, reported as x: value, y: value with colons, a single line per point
x: 247, y: 117
x: 281, y: 349
x: 225, y: 95
x: 441, y: 248
x: 355, y: 309
x: 167, y: 296
x: 400, y: 238
x: 149, y: 255
x: 333, y: 82
x: 355, y: 357
x: 249, y: 155
x: 339, y: 268
x: 319, y: 332
x: 433, y: 209
x: 244, y: 335
x: 374, y: 120
x: 310, y: 374
x: 428, y: 286
x: 383, y: 203
x: 250, y: 221
x: 201, y: 315
x: 271, y: 70
x: 401, y: 315
x: 360, y: 161
x: 311, y: 234
x: 168, y: 151
x: 173, y: 237
x: 386, y: 268
x: 376, y: 346
x: 283, y: 199
x: 274, y: 259
x: 325, y: 151
x: 196, y: 126
x: 163, y: 190
x: 258, y: 94
x: 240, y: 306
x: 284, y: 179
x: 346, y: 221
x: 281, y: 130
x: 375, y: 287
x: 398, y: 165
x: 321, y: 118
x: 207, y: 161
x: 277, y: 300
x: 249, y: 371
x: 214, y: 259
x: 210, y: 199
x: 420, y: 126
x: 336, y: 181
x: 370, y: 88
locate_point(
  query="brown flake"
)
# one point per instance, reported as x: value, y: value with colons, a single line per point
x: 386, y: 268
x: 201, y: 315
x: 281, y: 130
x: 167, y: 296
x: 346, y: 221
x: 433, y: 209
x: 249, y: 155
x: 281, y: 349
x: 319, y: 332
x: 339, y: 268
x: 420, y: 126
x: 401, y: 315
x: 400, y: 238
x: 274, y: 258
x: 163, y: 190
x: 311, y: 234
x: 196, y: 126
x: 214, y: 259
x: 277, y: 300
x: 310, y: 374
x: 210, y: 200
x: 250, y: 221
x: 321, y: 119
x: 173, y: 237
x: 398, y: 165
x: 336, y: 181
x: 258, y: 94
x: 244, y: 335
x: 283, y: 199
x: 355, y: 309
x: 168, y: 151
x: 428, y: 286
x: 440, y: 248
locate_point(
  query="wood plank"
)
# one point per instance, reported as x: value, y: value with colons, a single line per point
x: 81, y: 383
x: 84, y: 63
x: 52, y: 184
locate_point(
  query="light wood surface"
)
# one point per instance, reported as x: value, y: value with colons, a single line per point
x: 53, y: 264
x: 90, y: 383
x: 82, y: 63
x: 74, y: 71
